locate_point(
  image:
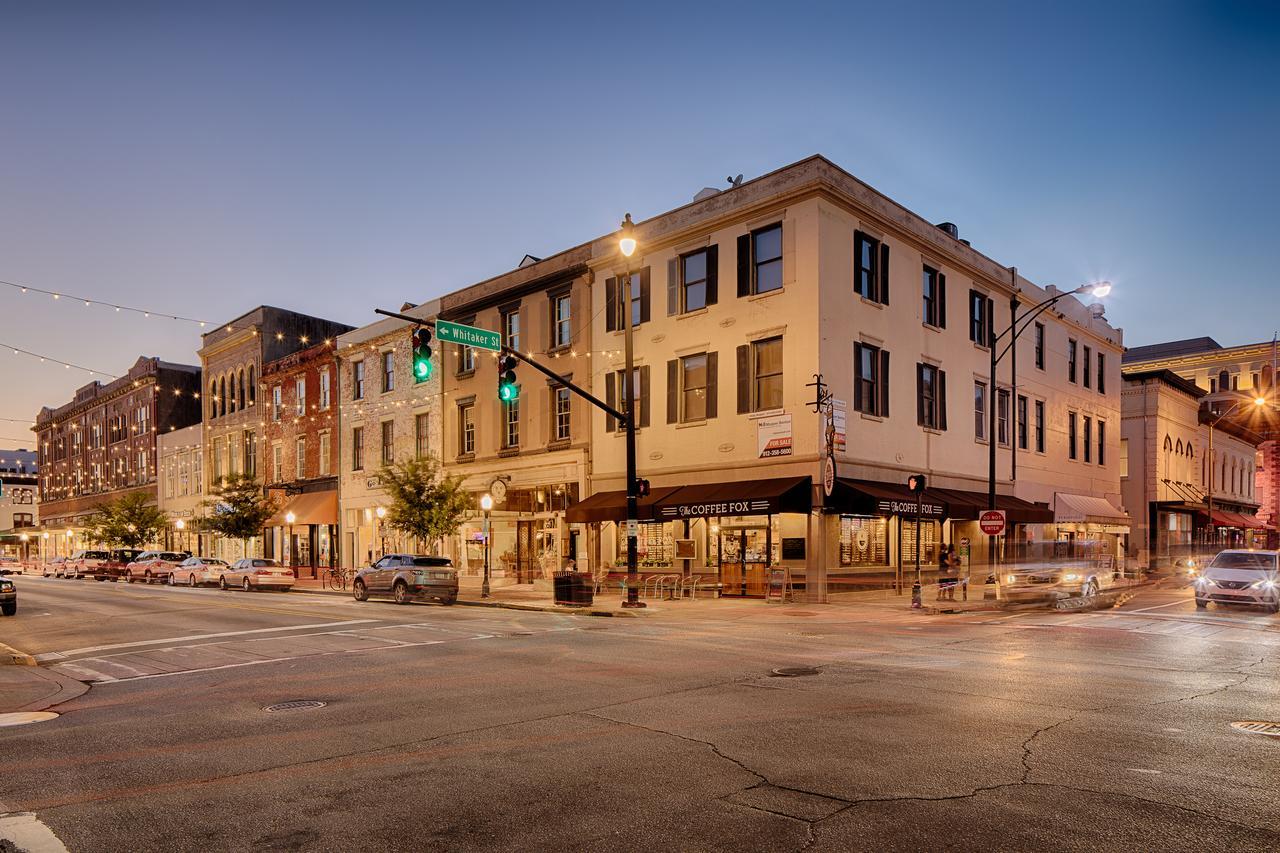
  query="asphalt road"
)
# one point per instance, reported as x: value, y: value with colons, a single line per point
x: 465, y: 728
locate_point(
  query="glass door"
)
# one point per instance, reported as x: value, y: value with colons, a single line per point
x: 744, y: 560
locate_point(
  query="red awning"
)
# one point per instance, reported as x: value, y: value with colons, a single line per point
x: 1222, y: 518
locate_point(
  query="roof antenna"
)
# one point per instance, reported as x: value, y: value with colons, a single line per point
x: 735, y: 182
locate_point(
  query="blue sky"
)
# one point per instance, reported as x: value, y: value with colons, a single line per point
x: 337, y: 157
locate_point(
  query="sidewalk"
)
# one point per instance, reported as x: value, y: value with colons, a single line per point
x: 33, y: 688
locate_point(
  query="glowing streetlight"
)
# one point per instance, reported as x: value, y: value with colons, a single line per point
x: 627, y: 245
x: 627, y: 240
x: 290, y: 518
x: 486, y: 504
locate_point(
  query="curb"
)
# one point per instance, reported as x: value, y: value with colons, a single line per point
x: 10, y: 655
x: 543, y: 608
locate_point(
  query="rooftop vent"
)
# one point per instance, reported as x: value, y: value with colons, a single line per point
x: 1098, y: 311
x: 951, y: 229
x: 527, y: 261
x: 706, y: 192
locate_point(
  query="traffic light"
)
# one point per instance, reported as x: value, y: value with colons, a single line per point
x: 422, y: 354
x: 508, y: 390
x: 642, y: 488
x: 916, y: 483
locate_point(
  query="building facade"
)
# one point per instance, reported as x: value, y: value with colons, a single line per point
x: 531, y: 454
x: 1228, y: 375
x: 19, y: 503
x: 233, y: 356
x: 180, y: 489
x: 102, y: 444
x: 300, y: 457
x: 743, y: 298
x: 386, y: 416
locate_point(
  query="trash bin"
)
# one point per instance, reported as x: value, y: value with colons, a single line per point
x: 583, y: 589
x: 562, y: 586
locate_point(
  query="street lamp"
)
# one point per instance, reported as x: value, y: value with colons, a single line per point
x: 486, y: 504
x: 180, y: 525
x: 381, y: 512
x: 627, y: 245
x: 290, y: 518
x: 26, y: 547
x: 1098, y: 289
x: 1257, y: 403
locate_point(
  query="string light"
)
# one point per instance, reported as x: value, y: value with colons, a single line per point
x: 24, y: 288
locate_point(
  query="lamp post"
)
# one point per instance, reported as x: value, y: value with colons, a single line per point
x: 486, y: 504
x: 26, y: 547
x: 1257, y: 402
x: 290, y: 518
x: 1098, y: 289
x: 627, y: 245
x: 381, y: 512
x: 180, y: 526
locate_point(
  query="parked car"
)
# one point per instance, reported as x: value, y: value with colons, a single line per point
x: 1050, y: 584
x: 8, y: 597
x: 1241, y: 577
x: 197, y: 571
x: 408, y: 577
x: 256, y: 573
x: 83, y: 564
x: 152, y: 566
x: 10, y: 565
x: 118, y: 559
x: 52, y: 567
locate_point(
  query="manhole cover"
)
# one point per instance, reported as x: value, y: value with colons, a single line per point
x: 295, y: 705
x: 1258, y: 728
x: 793, y: 671
x: 21, y: 718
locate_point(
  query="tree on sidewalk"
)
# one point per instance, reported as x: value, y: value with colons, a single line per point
x: 424, y: 502
x: 238, y: 509
x: 126, y: 522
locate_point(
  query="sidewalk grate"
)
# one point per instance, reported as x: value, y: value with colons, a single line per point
x: 1257, y: 727
x: 295, y: 705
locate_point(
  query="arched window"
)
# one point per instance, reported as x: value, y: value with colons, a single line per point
x: 222, y: 396
x: 253, y: 387
x: 1168, y: 443
x: 213, y: 399
x: 232, y: 403
x: 1178, y: 449
x: 244, y: 401
x: 1224, y: 380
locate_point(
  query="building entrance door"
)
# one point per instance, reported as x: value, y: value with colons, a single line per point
x: 526, y: 558
x: 744, y: 560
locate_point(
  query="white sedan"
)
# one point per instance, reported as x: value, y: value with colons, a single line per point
x: 197, y: 571
x: 256, y: 573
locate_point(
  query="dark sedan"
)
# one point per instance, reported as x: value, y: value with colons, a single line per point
x: 8, y: 597
x: 408, y: 577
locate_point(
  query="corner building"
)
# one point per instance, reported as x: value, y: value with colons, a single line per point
x: 742, y: 296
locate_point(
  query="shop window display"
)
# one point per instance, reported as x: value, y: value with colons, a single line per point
x: 864, y: 541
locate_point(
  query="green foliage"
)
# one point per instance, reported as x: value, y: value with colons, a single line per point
x: 237, y: 508
x: 423, y: 501
x: 126, y: 522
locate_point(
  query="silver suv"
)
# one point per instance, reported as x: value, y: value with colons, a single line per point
x: 408, y: 577
x: 1241, y: 577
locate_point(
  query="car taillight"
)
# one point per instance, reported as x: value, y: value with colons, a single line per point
x: 262, y: 572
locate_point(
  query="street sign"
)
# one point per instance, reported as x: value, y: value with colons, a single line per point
x: 633, y: 528
x: 828, y: 476
x: 468, y: 336
x: 992, y: 522
x: 964, y: 546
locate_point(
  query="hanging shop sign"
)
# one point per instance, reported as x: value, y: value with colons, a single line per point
x: 908, y: 507
x: 773, y: 436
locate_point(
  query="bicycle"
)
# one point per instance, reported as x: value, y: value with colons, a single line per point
x: 335, y: 579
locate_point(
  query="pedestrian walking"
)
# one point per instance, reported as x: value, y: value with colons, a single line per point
x: 948, y: 572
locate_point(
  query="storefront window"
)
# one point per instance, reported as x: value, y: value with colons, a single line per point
x: 928, y: 539
x: 864, y: 541
x: 654, y: 545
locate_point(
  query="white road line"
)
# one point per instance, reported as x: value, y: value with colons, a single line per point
x: 138, y: 643
x: 1156, y: 607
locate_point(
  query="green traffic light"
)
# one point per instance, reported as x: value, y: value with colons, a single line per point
x: 422, y: 369
x: 508, y: 393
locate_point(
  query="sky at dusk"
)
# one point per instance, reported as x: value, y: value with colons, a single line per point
x: 334, y: 158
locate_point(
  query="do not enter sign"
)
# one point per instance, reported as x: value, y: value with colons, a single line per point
x: 992, y: 522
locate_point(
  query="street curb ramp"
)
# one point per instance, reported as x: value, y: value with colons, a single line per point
x: 10, y: 655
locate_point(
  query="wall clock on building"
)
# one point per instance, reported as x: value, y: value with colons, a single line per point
x: 498, y: 490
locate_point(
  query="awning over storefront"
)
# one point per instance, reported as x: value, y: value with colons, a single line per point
x: 671, y: 503
x: 865, y: 497
x: 967, y: 506
x: 1222, y: 518
x: 1087, y: 509
x: 308, y: 508
x: 612, y: 506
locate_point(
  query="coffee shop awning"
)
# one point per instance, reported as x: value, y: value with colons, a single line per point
x: 968, y: 506
x: 308, y: 508
x: 701, y: 500
x: 1222, y: 518
x: 1087, y: 509
x: 865, y: 497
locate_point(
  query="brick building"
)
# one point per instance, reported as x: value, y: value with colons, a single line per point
x: 102, y: 444
x: 233, y: 356
x: 19, y: 509
x: 300, y: 456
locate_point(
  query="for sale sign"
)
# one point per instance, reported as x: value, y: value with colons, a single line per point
x: 992, y: 522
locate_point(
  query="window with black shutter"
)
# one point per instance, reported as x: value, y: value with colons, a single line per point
x: 692, y: 281
x: 980, y: 311
x: 871, y: 380
x: 616, y: 297
x: 933, y: 288
x: 871, y: 268
x: 931, y: 397
x: 760, y: 261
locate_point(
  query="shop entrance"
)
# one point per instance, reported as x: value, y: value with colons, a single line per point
x: 535, y: 550
x: 744, y: 560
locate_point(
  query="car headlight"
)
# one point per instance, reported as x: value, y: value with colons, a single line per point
x: 1011, y: 579
x: 1191, y: 564
x: 1265, y: 584
x: 1072, y: 576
